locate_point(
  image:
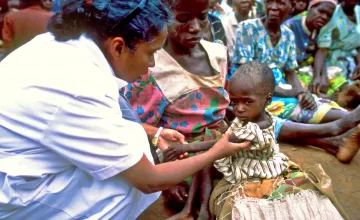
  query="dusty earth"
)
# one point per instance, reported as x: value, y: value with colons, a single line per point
x: 345, y: 179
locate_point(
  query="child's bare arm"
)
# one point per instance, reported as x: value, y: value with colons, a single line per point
x: 174, y: 151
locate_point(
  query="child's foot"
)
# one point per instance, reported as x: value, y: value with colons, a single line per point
x: 185, y: 214
x: 347, y: 122
x: 350, y: 145
x: 204, y: 214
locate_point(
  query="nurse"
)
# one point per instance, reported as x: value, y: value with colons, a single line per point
x: 66, y: 150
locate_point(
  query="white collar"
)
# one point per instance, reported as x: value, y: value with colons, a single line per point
x: 303, y: 24
x: 233, y: 19
x: 98, y: 58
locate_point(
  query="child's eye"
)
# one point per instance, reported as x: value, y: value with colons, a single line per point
x: 248, y: 102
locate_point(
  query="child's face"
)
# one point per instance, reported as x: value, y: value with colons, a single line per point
x: 300, y: 6
x: 248, y: 101
x: 242, y: 6
x: 190, y: 21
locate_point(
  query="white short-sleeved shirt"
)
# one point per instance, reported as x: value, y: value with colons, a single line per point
x: 63, y: 139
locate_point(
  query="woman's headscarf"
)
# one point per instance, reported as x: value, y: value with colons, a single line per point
x: 314, y: 2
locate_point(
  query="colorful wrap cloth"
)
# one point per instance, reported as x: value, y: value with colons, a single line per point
x: 289, y: 108
x: 296, y: 194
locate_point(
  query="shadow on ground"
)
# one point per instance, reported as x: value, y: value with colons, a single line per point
x: 345, y: 179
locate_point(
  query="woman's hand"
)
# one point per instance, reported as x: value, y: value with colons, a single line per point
x: 224, y: 148
x: 356, y: 75
x: 315, y: 85
x: 324, y: 84
x: 169, y: 136
x: 307, y: 101
x: 175, y: 151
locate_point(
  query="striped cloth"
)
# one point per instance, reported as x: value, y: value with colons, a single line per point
x: 261, y: 160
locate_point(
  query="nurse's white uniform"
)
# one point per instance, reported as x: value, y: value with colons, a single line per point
x: 63, y: 140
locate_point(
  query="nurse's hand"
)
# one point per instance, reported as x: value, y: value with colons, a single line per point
x: 168, y: 137
x: 225, y: 148
x: 356, y: 75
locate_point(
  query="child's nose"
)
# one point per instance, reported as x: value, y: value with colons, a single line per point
x: 240, y: 108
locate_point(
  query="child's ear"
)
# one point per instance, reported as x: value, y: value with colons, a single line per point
x: 268, y: 99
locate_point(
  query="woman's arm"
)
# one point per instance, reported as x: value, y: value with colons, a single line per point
x: 304, y: 97
x: 319, y: 68
x: 149, y: 178
x: 356, y: 75
x: 296, y: 89
x: 287, y: 92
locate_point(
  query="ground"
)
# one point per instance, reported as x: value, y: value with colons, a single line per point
x: 344, y: 179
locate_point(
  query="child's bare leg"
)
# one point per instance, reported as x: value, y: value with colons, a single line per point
x: 344, y: 147
x: 293, y: 131
x: 205, y: 193
x: 333, y: 115
x: 186, y: 213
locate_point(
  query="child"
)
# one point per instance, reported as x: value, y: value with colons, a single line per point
x: 261, y: 170
x: 251, y: 91
x: 260, y: 179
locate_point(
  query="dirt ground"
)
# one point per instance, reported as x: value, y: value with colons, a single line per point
x: 345, y: 180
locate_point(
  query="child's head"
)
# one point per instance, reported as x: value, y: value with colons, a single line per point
x: 242, y: 7
x: 300, y: 6
x: 190, y: 21
x: 251, y: 90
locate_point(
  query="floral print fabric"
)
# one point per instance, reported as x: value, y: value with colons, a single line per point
x: 171, y: 97
x: 254, y: 44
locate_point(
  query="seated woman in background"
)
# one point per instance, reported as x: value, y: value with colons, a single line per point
x: 23, y: 25
x: 241, y: 13
x: 306, y: 29
x: 270, y: 42
x: 339, y: 45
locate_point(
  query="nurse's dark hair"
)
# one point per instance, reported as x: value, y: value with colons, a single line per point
x: 258, y: 73
x: 101, y: 19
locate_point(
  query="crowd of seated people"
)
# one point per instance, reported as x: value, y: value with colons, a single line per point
x: 263, y: 71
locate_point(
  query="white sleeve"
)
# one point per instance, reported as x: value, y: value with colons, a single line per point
x: 92, y: 135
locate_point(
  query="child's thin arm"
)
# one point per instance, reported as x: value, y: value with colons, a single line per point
x: 200, y: 146
x: 174, y: 151
x: 206, y: 145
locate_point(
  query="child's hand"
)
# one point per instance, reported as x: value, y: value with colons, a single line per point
x: 307, y: 101
x: 174, y: 152
x: 224, y: 148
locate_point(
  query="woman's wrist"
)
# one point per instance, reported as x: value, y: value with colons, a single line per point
x: 155, y: 139
x: 297, y: 91
x: 212, y: 154
x: 150, y: 130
